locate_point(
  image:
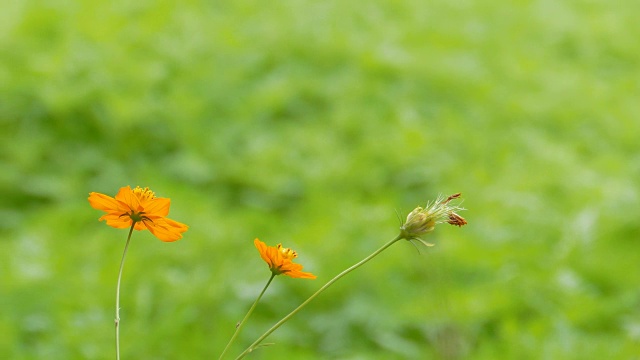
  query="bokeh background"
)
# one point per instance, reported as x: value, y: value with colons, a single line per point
x: 311, y: 123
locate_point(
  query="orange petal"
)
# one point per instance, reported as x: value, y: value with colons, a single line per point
x: 177, y: 225
x: 301, y: 275
x: 263, y: 250
x: 166, y: 229
x: 126, y: 195
x: 103, y: 202
x: 117, y: 221
x: 157, y: 207
x: 276, y: 257
x: 294, y: 270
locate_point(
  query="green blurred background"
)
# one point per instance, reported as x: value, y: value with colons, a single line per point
x: 311, y: 124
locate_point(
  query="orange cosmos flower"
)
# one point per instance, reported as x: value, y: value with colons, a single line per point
x: 280, y: 260
x: 140, y: 208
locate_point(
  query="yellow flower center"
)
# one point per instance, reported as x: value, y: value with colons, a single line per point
x: 144, y: 194
x: 287, y: 252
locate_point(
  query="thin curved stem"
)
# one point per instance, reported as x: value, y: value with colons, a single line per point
x: 239, y: 327
x: 323, y: 288
x: 117, y: 320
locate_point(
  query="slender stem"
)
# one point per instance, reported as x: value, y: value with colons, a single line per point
x: 117, y: 321
x: 239, y: 327
x: 323, y: 288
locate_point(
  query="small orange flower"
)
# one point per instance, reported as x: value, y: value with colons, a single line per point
x: 280, y: 260
x: 140, y: 207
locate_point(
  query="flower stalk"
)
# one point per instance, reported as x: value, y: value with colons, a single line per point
x: 117, y: 319
x: 244, y: 320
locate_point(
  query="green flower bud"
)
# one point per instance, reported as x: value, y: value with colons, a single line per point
x: 422, y: 221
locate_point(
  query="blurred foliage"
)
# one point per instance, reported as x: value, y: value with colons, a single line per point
x: 310, y: 123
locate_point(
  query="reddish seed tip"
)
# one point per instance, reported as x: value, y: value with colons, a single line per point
x: 457, y: 220
x: 454, y: 196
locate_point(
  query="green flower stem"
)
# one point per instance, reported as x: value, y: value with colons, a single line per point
x: 117, y: 321
x: 323, y: 288
x: 239, y: 327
